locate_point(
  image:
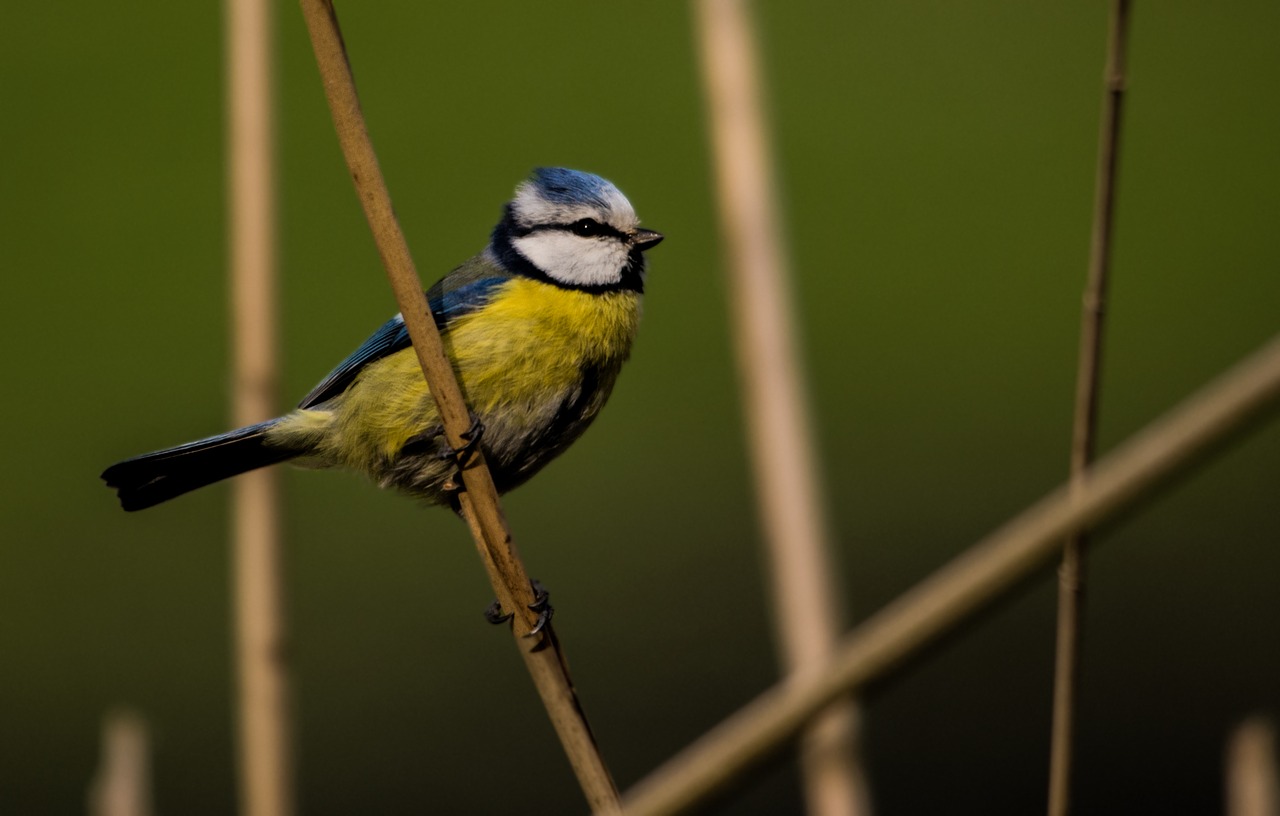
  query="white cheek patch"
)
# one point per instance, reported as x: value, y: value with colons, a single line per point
x: 573, y: 259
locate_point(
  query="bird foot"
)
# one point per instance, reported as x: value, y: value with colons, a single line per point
x: 541, y: 604
x: 462, y: 456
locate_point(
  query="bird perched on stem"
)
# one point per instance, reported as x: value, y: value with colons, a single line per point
x: 537, y: 327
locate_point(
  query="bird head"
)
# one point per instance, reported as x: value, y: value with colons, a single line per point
x: 575, y: 230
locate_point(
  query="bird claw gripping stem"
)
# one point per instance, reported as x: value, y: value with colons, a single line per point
x: 462, y: 456
x: 541, y: 604
x: 470, y: 444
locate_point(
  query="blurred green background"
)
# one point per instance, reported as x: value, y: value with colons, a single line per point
x: 937, y: 165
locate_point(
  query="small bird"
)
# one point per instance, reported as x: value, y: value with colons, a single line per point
x: 537, y: 327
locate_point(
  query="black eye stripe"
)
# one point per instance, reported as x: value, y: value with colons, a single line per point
x: 584, y: 227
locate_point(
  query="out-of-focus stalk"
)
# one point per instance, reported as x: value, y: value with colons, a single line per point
x: 265, y: 749
x: 789, y: 495
x: 1253, y: 777
x: 122, y: 784
x: 990, y: 569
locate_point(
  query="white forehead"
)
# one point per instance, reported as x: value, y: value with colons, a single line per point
x: 559, y: 196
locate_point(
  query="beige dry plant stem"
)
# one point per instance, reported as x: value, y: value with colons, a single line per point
x: 265, y: 755
x: 972, y: 581
x: 806, y: 602
x: 480, y: 500
x: 1084, y: 429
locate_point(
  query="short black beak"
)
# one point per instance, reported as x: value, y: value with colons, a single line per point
x: 644, y: 239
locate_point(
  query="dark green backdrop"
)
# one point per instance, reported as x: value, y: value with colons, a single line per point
x: 937, y: 163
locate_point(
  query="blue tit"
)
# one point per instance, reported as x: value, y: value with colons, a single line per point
x: 537, y: 327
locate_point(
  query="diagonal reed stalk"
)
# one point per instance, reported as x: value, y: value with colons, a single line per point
x: 986, y: 571
x: 1085, y: 424
x: 805, y: 596
x: 265, y: 751
x: 541, y: 652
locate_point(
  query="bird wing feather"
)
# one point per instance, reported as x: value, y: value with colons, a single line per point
x: 463, y: 291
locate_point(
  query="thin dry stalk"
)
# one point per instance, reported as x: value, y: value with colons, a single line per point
x: 1253, y: 777
x: 265, y: 748
x: 1084, y: 429
x: 806, y: 599
x: 479, y: 501
x: 986, y: 571
x: 122, y: 784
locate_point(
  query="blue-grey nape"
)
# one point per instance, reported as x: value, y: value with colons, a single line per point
x: 561, y: 185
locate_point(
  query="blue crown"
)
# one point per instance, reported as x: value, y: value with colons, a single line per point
x: 560, y: 185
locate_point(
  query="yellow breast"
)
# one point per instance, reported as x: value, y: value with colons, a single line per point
x: 517, y: 356
x: 536, y: 336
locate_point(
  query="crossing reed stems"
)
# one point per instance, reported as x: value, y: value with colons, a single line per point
x: 806, y: 602
x: 1084, y: 429
x: 994, y: 566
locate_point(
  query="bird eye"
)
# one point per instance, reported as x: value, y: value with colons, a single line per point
x: 587, y: 228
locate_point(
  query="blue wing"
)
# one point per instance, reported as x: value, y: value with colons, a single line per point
x: 451, y: 298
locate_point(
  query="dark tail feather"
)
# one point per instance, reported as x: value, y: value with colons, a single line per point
x: 147, y: 480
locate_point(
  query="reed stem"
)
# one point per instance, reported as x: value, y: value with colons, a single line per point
x: 480, y: 507
x: 988, y: 570
x: 806, y: 602
x: 265, y: 750
x: 1071, y: 577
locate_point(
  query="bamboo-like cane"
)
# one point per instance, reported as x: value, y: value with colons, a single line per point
x: 970, y: 582
x: 265, y: 751
x: 1084, y: 428
x: 479, y: 501
x: 805, y: 596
